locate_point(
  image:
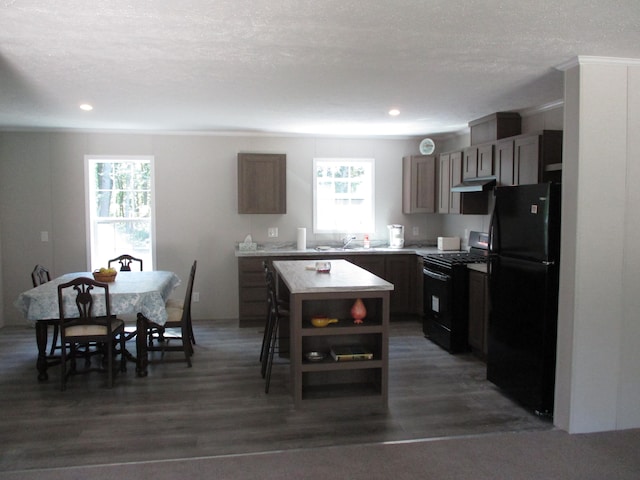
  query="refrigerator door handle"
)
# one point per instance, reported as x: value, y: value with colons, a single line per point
x: 493, y: 227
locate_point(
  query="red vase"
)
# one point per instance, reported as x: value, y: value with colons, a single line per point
x: 358, y: 311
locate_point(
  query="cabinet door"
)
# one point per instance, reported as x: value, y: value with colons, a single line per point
x: 444, y: 183
x: 504, y: 163
x: 401, y: 270
x: 485, y: 160
x: 252, y: 290
x: 262, y: 183
x: 418, y: 187
x: 527, y: 160
x: 478, y: 312
x: 455, y: 160
x: 470, y: 162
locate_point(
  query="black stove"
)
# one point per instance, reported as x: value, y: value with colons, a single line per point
x: 446, y: 292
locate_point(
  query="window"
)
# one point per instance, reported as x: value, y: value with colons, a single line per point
x: 343, y: 195
x: 120, y: 209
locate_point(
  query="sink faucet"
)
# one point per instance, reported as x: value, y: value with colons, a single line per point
x: 347, y: 240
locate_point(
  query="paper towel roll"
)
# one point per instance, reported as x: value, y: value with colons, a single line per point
x: 302, y: 238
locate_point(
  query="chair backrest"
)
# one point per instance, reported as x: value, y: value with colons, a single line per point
x: 40, y: 275
x: 125, y: 262
x: 85, y: 301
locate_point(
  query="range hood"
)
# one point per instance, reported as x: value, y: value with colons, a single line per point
x: 478, y: 184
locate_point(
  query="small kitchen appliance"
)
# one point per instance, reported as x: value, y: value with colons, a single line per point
x: 396, y: 236
x: 448, y: 243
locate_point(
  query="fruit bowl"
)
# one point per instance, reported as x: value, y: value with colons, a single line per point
x: 104, y: 277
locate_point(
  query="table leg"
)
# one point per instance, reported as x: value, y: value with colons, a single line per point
x: 141, y: 346
x: 42, y: 363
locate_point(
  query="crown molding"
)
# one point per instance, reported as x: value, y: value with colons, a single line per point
x: 593, y: 60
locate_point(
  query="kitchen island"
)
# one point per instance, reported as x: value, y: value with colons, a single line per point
x: 332, y: 295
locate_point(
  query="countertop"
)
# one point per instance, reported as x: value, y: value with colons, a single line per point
x: 300, y: 277
x: 291, y: 250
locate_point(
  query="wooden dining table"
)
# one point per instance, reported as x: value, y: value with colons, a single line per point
x: 143, y: 294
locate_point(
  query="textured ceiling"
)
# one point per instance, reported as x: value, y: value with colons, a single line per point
x: 294, y: 66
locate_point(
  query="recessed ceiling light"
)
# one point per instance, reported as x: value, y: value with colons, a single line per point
x: 86, y: 107
x: 394, y: 112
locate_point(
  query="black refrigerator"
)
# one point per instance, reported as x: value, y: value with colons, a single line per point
x: 523, y: 287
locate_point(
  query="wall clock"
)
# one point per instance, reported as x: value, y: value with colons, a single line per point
x: 427, y: 146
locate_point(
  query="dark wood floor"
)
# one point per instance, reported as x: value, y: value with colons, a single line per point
x: 219, y: 406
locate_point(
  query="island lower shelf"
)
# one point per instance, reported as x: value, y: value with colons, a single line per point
x: 332, y: 378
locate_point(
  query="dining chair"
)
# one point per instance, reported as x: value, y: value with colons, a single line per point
x: 41, y: 275
x: 125, y: 262
x: 178, y: 326
x: 83, y: 327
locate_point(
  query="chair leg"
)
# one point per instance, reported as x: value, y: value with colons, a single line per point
x: 192, y: 337
x: 123, y: 352
x: 186, y: 346
x: 63, y: 367
x: 109, y: 348
x: 272, y: 349
x: 269, y: 327
x: 55, y: 340
x: 265, y: 340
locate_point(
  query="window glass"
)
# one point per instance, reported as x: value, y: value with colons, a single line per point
x: 120, y: 209
x: 343, y: 195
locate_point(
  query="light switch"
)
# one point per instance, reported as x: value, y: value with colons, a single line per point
x: 44, y: 236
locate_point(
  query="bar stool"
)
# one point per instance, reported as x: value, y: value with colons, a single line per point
x: 275, y: 314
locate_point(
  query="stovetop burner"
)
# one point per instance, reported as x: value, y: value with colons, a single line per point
x: 455, y: 258
x: 478, y: 253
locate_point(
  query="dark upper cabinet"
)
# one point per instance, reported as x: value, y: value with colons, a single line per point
x: 262, y: 184
x: 478, y: 161
x: 470, y: 162
x: 419, y: 184
x: 451, y: 167
x: 527, y: 159
x: 505, y: 171
x: 485, y: 160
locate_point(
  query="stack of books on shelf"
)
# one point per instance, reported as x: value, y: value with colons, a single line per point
x: 344, y: 353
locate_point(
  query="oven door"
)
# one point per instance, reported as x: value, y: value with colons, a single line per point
x: 437, y: 296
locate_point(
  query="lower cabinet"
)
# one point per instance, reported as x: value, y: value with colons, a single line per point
x: 478, y: 312
x: 402, y: 271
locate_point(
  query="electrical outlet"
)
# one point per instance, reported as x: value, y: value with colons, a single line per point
x: 416, y: 231
x: 272, y: 232
x: 195, y: 296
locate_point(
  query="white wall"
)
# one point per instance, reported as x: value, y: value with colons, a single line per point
x: 42, y: 189
x: 598, y: 370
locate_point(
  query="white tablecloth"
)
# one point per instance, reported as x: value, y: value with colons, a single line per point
x: 130, y: 293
